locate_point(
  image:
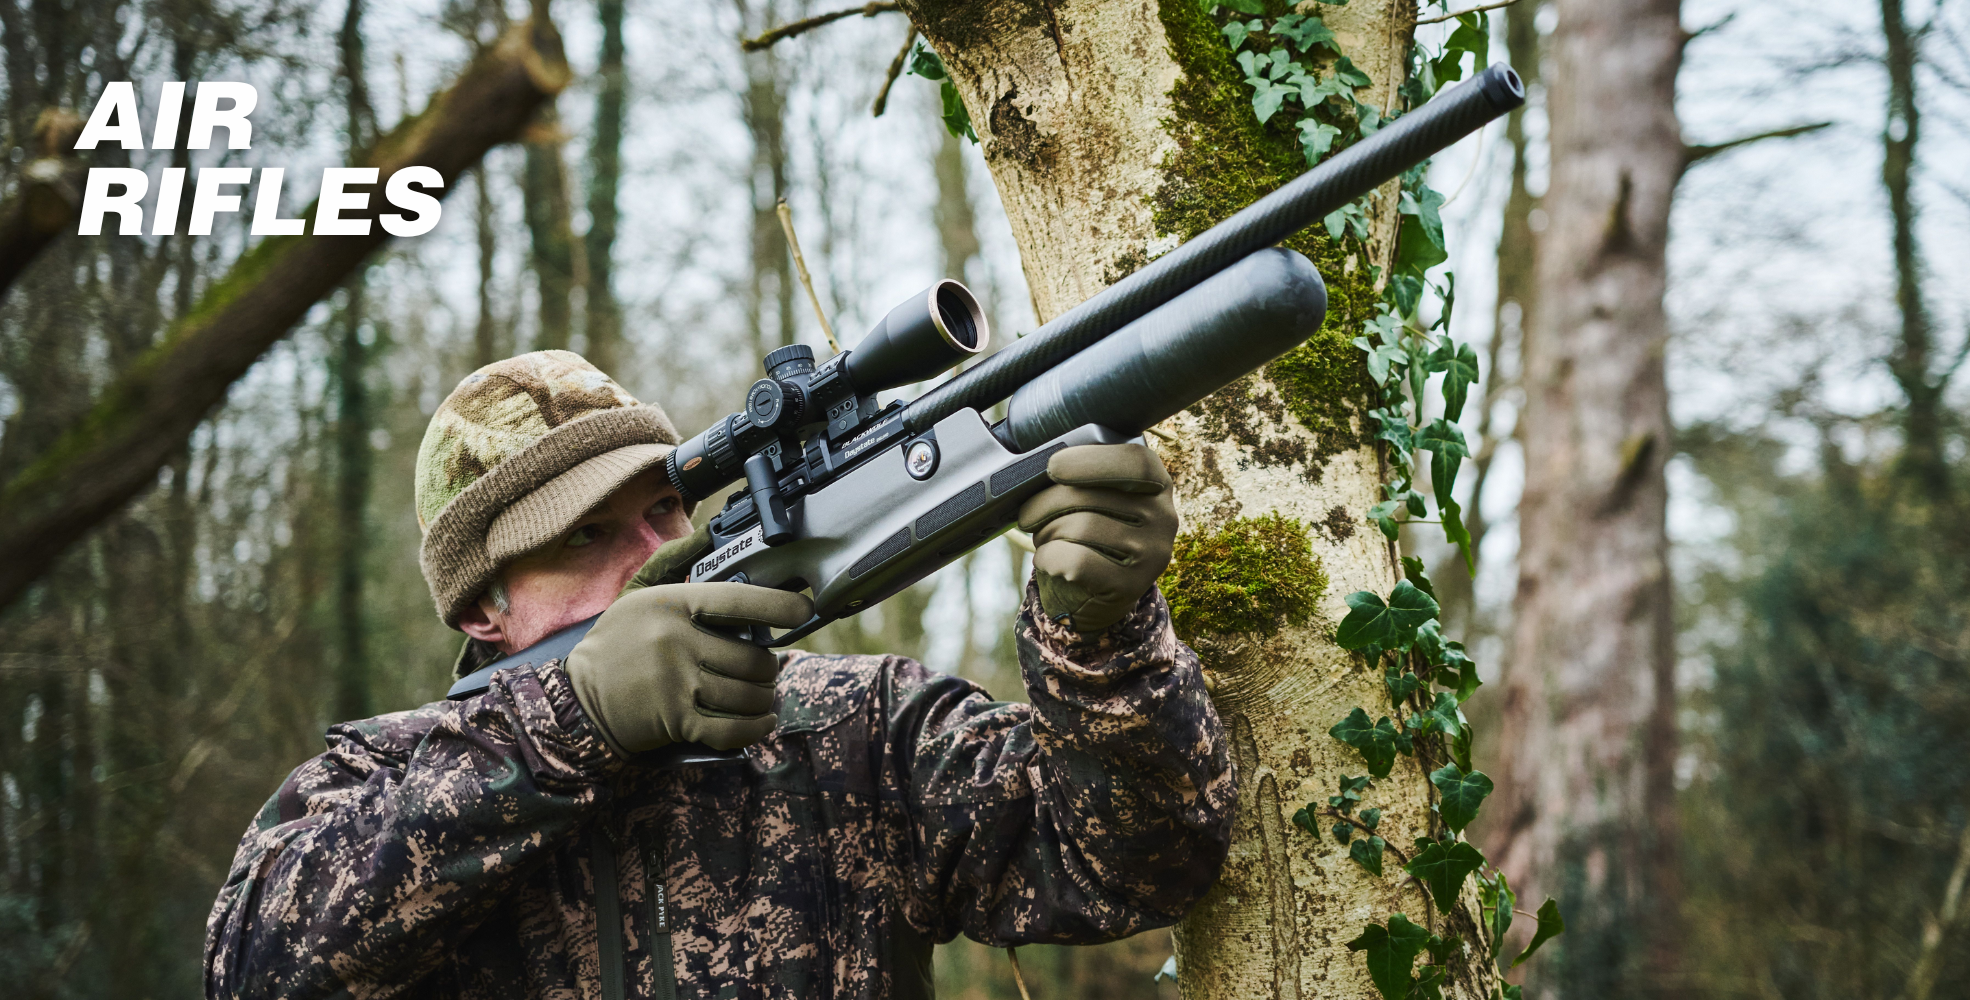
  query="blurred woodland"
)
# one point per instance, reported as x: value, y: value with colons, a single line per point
x: 1782, y: 675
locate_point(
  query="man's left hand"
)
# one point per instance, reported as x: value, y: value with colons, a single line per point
x: 1102, y: 533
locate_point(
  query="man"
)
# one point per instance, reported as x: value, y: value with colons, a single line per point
x: 509, y: 844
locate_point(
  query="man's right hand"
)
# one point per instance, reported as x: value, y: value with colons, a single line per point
x: 653, y: 672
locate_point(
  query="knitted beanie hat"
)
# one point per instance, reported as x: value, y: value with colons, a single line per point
x: 514, y: 457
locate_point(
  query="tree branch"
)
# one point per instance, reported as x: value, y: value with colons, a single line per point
x: 115, y: 450
x: 50, y: 195
x: 1455, y: 14
x: 895, y: 70
x: 1693, y: 155
x: 806, y: 24
x: 1934, y: 931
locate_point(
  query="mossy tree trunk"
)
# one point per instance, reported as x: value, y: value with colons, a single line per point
x: 1114, y: 130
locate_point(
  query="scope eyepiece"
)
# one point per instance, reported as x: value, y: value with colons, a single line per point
x: 920, y: 339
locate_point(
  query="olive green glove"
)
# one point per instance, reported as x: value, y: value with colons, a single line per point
x: 1101, y: 534
x: 652, y: 672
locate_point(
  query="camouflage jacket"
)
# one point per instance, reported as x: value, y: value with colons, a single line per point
x: 452, y: 850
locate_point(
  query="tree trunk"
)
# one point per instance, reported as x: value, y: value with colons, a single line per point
x: 1910, y: 362
x: 602, y: 316
x: 1586, y: 802
x: 1113, y: 130
x: 544, y: 188
x: 765, y: 110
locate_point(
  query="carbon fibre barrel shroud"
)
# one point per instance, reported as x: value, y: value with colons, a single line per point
x: 1298, y: 203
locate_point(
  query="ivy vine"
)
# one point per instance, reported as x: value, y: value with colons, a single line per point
x: 1295, y: 65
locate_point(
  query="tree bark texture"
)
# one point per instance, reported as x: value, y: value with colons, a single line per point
x: 1585, y: 809
x: 771, y: 286
x: 149, y: 412
x: 601, y: 314
x: 1113, y: 130
x: 1912, y: 359
x: 544, y: 188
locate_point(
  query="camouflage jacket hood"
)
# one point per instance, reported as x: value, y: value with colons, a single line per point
x: 452, y: 850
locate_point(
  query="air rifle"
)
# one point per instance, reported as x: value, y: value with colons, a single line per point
x: 855, y: 502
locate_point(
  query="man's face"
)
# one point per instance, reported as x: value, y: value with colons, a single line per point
x: 578, y: 575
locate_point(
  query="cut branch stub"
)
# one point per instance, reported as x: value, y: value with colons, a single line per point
x: 49, y: 198
x: 115, y: 450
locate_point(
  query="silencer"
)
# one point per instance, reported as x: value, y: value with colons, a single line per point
x: 1182, y: 351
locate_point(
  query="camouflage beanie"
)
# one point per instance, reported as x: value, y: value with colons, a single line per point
x: 514, y: 457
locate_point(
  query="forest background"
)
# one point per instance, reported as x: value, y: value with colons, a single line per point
x: 157, y: 683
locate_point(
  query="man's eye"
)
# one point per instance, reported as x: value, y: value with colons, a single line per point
x: 665, y: 506
x: 583, y: 535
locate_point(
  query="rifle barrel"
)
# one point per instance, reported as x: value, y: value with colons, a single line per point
x: 1298, y: 203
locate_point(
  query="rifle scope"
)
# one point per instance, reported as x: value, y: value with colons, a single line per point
x: 920, y: 339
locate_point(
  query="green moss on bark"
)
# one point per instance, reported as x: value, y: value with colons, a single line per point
x: 1255, y: 574
x: 1224, y: 160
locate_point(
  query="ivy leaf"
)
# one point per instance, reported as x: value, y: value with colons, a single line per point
x: 1368, y: 621
x: 1237, y: 31
x: 1463, y: 792
x: 1460, y: 536
x: 1368, y: 853
x: 1429, y: 982
x: 1383, y: 514
x: 1444, y: 867
x: 1367, y: 119
x: 1405, y: 290
x: 1445, y: 443
x: 1497, y: 897
x: 1412, y: 567
x: 1452, y: 660
x: 1460, y: 747
x: 1508, y: 992
x: 1266, y: 99
x: 1440, y: 717
x: 1550, y: 927
x: 1391, y: 953
x: 1316, y: 138
x: 1442, y: 949
x: 1343, y: 831
x: 1401, y: 685
x: 1305, y: 819
x: 1378, y: 743
x: 1371, y: 818
x: 1244, y: 6
x: 1344, y: 68
x: 1303, y: 32
x: 1459, y: 365
x: 1425, y: 205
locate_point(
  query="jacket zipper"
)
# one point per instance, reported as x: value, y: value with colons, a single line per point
x: 608, y: 909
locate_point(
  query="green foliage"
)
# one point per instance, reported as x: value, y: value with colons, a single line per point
x: 1550, y: 926
x: 1378, y: 742
x: 926, y: 63
x: 1368, y: 853
x: 1463, y: 792
x: 1495, y: 897
x: 1391, y: 954
x: 1444, y: 867
x: 1252, y: 575
x: 1389, y: 624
